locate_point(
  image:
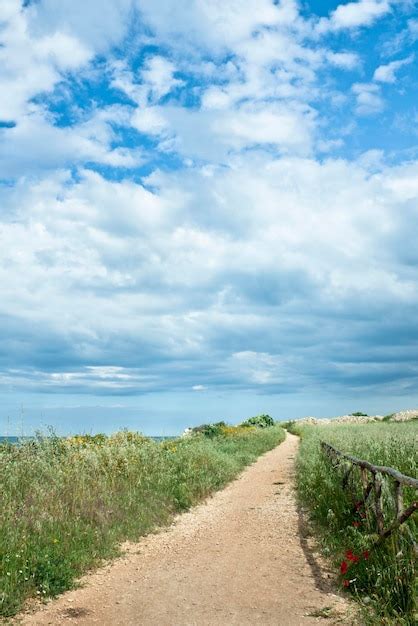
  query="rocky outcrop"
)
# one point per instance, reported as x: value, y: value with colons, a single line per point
x: 401, y: 416
x: 405, y: 416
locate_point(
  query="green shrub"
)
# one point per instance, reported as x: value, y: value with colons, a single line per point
x: 388, y: 418
x: 210, y: 430
x: 260, y: 421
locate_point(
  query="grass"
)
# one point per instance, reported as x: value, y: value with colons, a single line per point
x: 67, y: 504
x: 383, y: 578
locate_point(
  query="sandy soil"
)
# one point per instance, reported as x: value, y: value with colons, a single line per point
x: 240, y: 558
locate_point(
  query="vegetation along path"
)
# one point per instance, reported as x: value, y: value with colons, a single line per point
x: 239, y: 558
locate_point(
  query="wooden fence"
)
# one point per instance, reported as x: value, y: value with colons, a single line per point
x: 372, y: 477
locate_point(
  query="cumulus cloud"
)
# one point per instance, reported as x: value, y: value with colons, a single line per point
x: 354, y: 15
x: 387, y: 73
x: 166, y: 221
x: 32, y: 63
x: 97, y: 24
x: 211, y: 23
x: 176, y: 276
x: 36, y: 144
x: 345, y: 60
x: 158, y: 73
x: 368, y: 98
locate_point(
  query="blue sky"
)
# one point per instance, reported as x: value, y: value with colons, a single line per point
x: 208, y: 210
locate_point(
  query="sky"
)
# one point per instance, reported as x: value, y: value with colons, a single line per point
x: 208, y: 210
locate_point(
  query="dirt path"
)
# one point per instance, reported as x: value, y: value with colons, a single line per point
x: 235, y: 560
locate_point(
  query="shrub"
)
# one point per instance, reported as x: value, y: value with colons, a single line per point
x: 260, y: 421
x: 210, y: 430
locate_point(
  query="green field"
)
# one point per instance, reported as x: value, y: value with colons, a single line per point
x: 384, y: 576
x: 66, y: 504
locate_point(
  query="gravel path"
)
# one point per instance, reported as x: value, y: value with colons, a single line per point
x: 238, y: 559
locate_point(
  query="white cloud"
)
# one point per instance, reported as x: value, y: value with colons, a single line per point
x: 36, y: 144
x: 158, y: 74
x: 31, y: 64
x: 354, y: 15
x: 115, y: 269
x: 213, y: 23
x: 91, y: 379
x: 344, y: 60
x: 258, y: 368
x: 214, y: 261
x: 84, y: 232
x: 149, y: 120
x: 369, y: 100
x: 405, y: 37
x: 98, y: 24
x: 260, y: 97
x: 288, y: 128
x: 212, y: 135
x: 64, y: 51
x: 387, y: 73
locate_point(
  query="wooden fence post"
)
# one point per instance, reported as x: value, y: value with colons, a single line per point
x: 378, y: 504
x: 375, y: 484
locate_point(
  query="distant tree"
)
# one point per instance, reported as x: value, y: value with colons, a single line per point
x: 359, y: 414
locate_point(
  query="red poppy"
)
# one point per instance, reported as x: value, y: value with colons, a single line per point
x: 356, y: 524
x: 358, y: 505
x: 344, y: 567
x: 346, y: 583
x: 352, y: 557
x: 366, y: 554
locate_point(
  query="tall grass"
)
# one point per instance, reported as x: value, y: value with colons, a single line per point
x: 66, y: 504
x: 383, y: 577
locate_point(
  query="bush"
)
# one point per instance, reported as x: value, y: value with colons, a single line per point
x: 260, y: 421
x: 210, y: 430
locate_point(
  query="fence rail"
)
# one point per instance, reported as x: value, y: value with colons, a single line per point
x: 372, y: 486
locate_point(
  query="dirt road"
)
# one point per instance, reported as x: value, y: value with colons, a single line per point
x: 238, y: 559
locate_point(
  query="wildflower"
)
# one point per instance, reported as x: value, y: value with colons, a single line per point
x: 356, y: 524
x: 344, y: 567
x: 346, y: 583
x: 366, y: 554
x: 352, y: 557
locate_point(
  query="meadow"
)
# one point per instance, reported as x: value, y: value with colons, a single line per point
x: 69, y: 503
x: 383, y: 577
